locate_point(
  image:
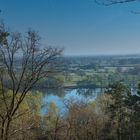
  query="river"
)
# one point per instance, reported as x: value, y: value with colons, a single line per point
x: 60, y: 96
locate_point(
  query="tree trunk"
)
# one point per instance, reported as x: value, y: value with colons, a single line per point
x: 5, y: 128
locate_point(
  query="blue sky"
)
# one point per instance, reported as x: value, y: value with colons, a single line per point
x: 81, y: 27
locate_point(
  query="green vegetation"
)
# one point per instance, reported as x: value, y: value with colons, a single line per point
x: 101, y: 71
x: 114, y: 115
x: 26, y: 66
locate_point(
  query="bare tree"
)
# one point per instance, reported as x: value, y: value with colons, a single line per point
x: 24, y: 61
x: 111, y: 2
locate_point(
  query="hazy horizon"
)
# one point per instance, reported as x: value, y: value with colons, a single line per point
x: 81, y: 27
x: 100, y: 54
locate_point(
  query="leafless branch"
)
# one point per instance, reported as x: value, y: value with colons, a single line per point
x: 112, y: 2
x: 24, y: 62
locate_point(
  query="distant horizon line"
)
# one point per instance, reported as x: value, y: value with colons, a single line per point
x: 85, y: 55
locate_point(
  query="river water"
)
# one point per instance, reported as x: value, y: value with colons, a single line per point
x: 75, y: 95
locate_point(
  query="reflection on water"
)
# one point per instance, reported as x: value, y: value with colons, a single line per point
x: 84, y: 95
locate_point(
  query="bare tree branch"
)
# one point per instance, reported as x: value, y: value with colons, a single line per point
x: 24, y: 61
